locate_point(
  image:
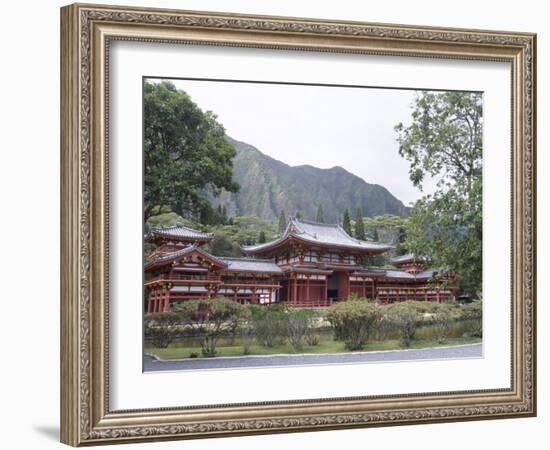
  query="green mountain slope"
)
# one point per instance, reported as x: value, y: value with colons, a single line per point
x: 269, y: 186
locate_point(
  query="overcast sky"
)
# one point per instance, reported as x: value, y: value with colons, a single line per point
x: 317, y: 125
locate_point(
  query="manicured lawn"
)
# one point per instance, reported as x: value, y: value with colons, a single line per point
x: 178, y: 350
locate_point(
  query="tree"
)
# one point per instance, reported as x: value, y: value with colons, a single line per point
x: 359, y: 225
x: 320, y: 215
x: 375, y: 236
x: 353, y: 322
x: 243, y: 230
x: 161, y: 328
x: 404, y: 316
x: 298, y: 323
x: 346, y: 223
x: 443, y: 318
x: 298, y: 215
x: 222, y: 245
x: 261, y: 238
x: 185, y: 153
x: 444, y: 141
x: 282, y: 222
x: 269, y: 322
x: 209, y: 319
x: 400, y: 248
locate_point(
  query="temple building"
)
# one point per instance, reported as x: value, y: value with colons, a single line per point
x: 310, y: 265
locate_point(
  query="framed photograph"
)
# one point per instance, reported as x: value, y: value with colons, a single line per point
x: 276, y: 224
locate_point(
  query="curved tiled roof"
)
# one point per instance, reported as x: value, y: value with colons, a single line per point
x: 178, y: 232
x: 322, y: 234
x: 250, y: 265
x: 401, y: 274
x: 407, y: 258
x: 171, y: 256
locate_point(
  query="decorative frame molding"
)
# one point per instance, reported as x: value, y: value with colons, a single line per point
x: 86, y: 31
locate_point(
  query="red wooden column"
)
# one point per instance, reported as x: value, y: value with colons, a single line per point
x: 160, y: 302
x: 323, y: 290
x: 295, y: 289
x: 166, y: 307
x: 289, y: 290
x: 155, y: 301
x: 307, y: 289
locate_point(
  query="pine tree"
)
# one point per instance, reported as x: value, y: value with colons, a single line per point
x: 298, y: 215
x: 282, y: 222
x: 359, y: 225
x: 375, y: 236
x: 320, y: 216
x: 346, y: 223
x: 262, y: 239
x: 400, y: 248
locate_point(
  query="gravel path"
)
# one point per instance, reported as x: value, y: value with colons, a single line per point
x: 455, y: 352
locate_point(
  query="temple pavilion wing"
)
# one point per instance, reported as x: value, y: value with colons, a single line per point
x: 177, y: 234
x: 310, y: 265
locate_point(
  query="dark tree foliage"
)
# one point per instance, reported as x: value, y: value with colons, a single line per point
x: 401, y: 247
x: 320, y: 215
x: 444, y: 141
x: 282, y: 222
x: 346, y: 222
x: 262, y: 239
x: 359, y: 225
x: 185, y: 153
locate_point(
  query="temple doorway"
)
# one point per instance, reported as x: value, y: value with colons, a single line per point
x: 333, y: 282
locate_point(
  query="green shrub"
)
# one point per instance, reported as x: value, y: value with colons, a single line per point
x: 247, y: 337
x: 209, y: 319
x: 471, y: 311
x: 355, y: 297
x: 443, y: 318
x: 353, y: 322
x: 474, y: 328
x: 269, y: 323
x: 161, y: 328
x: 298, y: 323
x: 404, y: 316
x: 312, y: 339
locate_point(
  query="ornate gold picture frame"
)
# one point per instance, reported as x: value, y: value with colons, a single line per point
x: 87, y: 32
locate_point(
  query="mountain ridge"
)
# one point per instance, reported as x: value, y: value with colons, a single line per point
x: 268, y: 186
